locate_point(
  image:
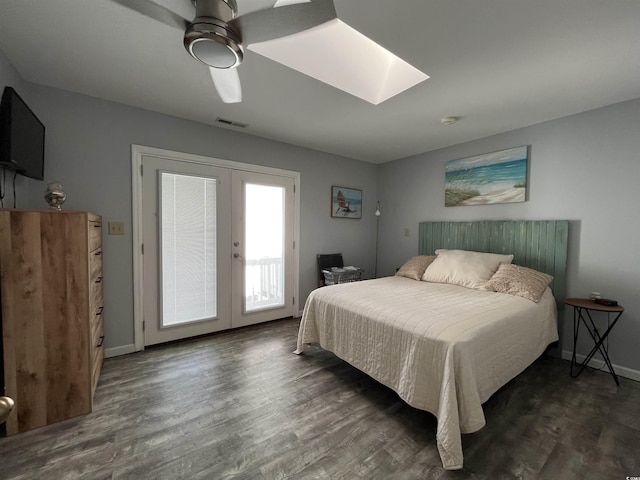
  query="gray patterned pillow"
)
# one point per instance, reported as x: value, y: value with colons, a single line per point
x: 415, y: 266
x: 521, y: 281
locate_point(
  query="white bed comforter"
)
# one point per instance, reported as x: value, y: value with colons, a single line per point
x: 443, y: 348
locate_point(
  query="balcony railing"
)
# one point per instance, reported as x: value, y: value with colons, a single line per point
x: 264, y: 283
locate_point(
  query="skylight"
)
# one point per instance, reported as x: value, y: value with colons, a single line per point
x: 342, y: 57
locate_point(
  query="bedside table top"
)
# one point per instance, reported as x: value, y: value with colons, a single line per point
x: 591, y: 305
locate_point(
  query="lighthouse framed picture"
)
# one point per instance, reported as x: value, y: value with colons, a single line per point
x: 346, y: 202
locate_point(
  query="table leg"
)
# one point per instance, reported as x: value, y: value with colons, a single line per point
x: 598, y: 339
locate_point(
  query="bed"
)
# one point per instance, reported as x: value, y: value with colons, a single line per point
x: 446, y: 348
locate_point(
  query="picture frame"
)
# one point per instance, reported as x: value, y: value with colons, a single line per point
x: 346, y: 202
x: 487, y: 179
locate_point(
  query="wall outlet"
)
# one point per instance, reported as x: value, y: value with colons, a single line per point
x: 116, y: 228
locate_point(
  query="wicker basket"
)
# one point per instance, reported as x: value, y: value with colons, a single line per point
x: 342, y: 276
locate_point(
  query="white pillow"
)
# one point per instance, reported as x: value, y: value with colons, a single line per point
x: 465, y: 268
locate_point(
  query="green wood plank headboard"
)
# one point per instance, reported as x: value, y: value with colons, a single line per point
x: 537, y: 244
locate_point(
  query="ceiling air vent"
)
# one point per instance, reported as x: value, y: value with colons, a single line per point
x: 230, y: 123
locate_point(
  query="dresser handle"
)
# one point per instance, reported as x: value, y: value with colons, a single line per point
x: 99, y: 280
x: 99, y: 312
x: 101, y: 341
x: 99, y: 252
x: 97, y: 225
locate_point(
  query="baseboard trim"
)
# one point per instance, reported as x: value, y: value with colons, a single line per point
x: 598, y: 363
x: 117, y: 351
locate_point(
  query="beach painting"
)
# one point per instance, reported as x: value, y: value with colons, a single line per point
x: 346, y: 202
x: 498, y: 177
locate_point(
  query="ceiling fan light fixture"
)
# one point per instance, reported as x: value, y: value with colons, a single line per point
x: 213, y: 43
x: 342, y: 57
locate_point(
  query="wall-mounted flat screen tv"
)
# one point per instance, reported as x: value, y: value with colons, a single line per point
x: 21, y: 137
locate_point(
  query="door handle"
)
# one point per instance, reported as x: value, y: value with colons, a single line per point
x: 236, y: 255
x: 6, y: 406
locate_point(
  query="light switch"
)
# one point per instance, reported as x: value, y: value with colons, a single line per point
x: 116, y: 228
x: 406, y: 232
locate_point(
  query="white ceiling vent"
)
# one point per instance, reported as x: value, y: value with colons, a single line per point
x: 231, y: 123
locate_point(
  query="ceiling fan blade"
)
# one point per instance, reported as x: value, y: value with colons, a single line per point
x: 286, y: 20
x: 282, y: 3
x: 227, y: 83
x: 156, y: 12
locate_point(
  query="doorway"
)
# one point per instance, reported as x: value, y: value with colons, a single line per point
x: 214, y: 245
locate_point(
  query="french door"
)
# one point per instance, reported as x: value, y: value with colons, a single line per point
x: 217, y: 248
x: 262, y: 231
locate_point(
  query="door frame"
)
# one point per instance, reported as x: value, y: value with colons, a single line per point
x: 137, y: 152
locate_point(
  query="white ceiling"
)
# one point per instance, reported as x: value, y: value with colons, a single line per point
x: 498, y: 64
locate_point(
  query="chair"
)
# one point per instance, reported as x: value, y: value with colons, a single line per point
x: 325, y: 262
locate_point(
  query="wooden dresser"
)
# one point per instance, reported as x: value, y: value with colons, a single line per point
x: 52, y: 322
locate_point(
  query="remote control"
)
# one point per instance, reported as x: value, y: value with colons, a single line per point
x: 606, y: 301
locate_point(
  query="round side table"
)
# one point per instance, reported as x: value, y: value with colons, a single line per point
x: 582, y: 308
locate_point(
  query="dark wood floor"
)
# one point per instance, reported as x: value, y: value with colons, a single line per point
x: 241, y: 405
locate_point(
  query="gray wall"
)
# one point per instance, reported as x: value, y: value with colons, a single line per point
x: 89, y: 151
x: 584, y: 168
x: 10, y: 78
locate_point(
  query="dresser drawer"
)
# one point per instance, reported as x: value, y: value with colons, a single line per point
x: 95, y: 235
x: 97, y: 332
x: 97, y: 366
x: 95, y: 264
x: 96, y: 301
x: 96, y: 278
x: 97, y: 351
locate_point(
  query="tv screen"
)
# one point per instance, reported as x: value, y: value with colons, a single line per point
x: 21, y: 137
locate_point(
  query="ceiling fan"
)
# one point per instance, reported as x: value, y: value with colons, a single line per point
x: 217, y: 36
